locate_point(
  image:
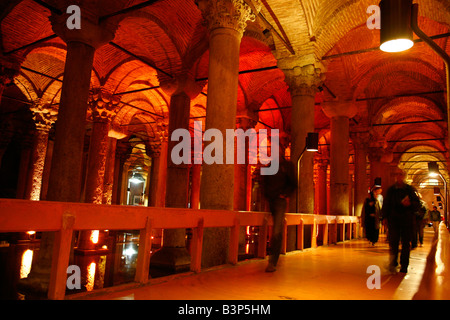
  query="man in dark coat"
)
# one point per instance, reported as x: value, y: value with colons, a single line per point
x: 400, y: 204
x: 277, y: 188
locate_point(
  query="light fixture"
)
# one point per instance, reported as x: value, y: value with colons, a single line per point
x: 433, y: 169
x: 311, y: 145
x: 136, y: 178
x: 312, y: 142
x: 396, y: 33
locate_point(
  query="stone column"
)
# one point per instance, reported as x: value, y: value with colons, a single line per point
x: 103, y: 106
x: 65, y: 173
x: 360, y: 144
x: 174, y: 255
x: 322, y: 166
x: 8, y: 71
x: 339, y: 113
x: 108, y: 181
x: 242, y: 174
x: 157, y: 197
x: 226, y: 21
x: 44, y: 116
x: 303, y: 81
x: 25, y: 158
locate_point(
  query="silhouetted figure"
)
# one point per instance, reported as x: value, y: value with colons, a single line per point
x: 277, y: 188
x: 372, y: 215
x: 435, y: 219
x: 419, y: 225
x: 399, y: 206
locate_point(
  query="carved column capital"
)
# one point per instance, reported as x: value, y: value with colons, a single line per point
x: 103, y: 105
x: 303, y: 80
x: 92, y: 32
x: 232, y: 14
x: 44, y: 115
x: 339, y: 109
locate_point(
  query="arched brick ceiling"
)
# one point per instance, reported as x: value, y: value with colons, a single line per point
x: 171, y: 35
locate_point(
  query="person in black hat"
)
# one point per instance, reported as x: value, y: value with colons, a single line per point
x: 372, y: 215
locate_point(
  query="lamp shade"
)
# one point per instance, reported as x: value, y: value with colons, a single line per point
x: 312, y: 142
x: 433, y: 169
x: 396, y: 33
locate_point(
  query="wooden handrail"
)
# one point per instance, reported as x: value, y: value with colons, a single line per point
x: 64, y: 218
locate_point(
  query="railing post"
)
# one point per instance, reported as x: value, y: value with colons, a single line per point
x: 262, y: 241
x: 197, y: 245
x: 335, y: 233
x: 234, y: 242
x: 343, y: 230
x: 314, y: 234
x: 325, y: 233
x: 144, y: 253
x: 300, y: 231
x: 284, y: 237
x: 60, y: 260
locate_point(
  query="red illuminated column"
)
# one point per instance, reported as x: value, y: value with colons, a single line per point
x: 339, y: 113
x: 44, y: 116
x: 226, y: 21
x: 303, y: 81
x: 322, y: 167
x: 360, y: 144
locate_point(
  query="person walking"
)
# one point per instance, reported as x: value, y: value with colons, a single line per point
x: 372, y: 215
x: 277, y: 189
x: 400, y: 204
x: 435, y: 218
x: 419, y: 224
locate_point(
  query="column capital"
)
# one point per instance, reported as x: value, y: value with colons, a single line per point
x: 322, y: 163
x: 103, y: 105
x: 339, y: 109
x: 92, y: 32
x: 44, y: 115
x: 361, y: 139
x: 184, y: 82
x: 303, y: 77
x: 9, y: 69
x: 231, y: 14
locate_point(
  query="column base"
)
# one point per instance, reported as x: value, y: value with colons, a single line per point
x: 170, y: 260
x: 34, y: 287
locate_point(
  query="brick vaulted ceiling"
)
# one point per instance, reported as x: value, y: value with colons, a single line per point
x: 170, y: 38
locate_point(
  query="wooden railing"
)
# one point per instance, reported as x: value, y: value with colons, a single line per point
x: 64, y: 218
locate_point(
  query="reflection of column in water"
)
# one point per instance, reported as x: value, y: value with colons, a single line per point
x: 90, y: 276
x: 25, y: 266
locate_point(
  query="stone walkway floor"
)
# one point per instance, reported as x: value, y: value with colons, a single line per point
x: 335, y: 272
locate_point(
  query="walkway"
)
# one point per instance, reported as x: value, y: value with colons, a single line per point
x: 337, y: 272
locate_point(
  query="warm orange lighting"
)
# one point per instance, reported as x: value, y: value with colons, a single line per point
x: 31, y: 232
x: 94, y: 236
x: 105, y: 247
x: 25, y: 266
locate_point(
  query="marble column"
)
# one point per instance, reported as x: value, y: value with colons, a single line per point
x: 242, y: 174
x: 65, y: 173
x: 339, y: 113
x: 226, y: 21
x: 103, y: 106
x: 174, y: 255
x: 8, y: 71
x: 44, y: 116
x: 361, y: 143
x: 322, y: 166
x: 303, y: 82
